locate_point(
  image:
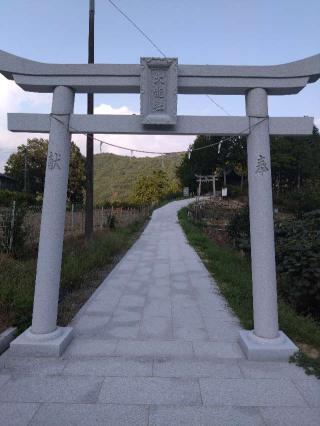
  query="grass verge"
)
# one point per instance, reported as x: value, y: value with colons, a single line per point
x: 83, y: 268
x: 232, y: 273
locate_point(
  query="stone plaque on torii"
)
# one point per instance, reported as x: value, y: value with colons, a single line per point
x: 159, y: 81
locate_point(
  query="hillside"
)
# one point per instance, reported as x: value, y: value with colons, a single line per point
x: 115, y: 175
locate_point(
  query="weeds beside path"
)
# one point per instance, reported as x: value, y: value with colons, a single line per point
x: 233, y: 275
x: 83, y: 268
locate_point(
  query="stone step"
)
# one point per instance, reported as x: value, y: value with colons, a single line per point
x: 153, y: 349
x: 120, y: 366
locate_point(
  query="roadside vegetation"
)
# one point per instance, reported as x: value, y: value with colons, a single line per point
x: 83, y: 268
x: 231, y: 269
x: 220, y: 231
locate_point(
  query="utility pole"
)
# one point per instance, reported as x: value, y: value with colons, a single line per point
x: 89, y: 160
x: 213, y: 183
x: 25, y: 171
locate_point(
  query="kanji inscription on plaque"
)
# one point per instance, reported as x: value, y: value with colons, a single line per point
x: 158, y: 91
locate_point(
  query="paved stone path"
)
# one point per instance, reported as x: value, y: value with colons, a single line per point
x: 156, y: 345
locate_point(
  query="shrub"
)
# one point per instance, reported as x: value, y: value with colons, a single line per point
x: 235, y: 191
x: 79, y: 262
x: 298, y: 262
x: 16, y: 290
x: 238, y: 229
x: 297, y: 257
x: 7, y: 197
x: 299, y: 202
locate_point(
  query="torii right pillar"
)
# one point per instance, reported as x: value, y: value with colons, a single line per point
x: 265, y: 342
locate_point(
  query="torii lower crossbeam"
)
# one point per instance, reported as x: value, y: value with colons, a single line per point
x: 186, y: 125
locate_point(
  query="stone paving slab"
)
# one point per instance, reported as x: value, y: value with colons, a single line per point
x: 251, y: 392
x: 4, y: 378
x: 205, y: 416
x: 310, y: 390
x: 91, y: 324
x: 90, y: 415
x: 272, y: 370
x: 17, y: 414
x: 112, y: 366
x: 34, y: 366
x: 291, y: 416
x: 217, y: 349
x: 150, y: 390
x: 82, y: 347
x: 51, y: 389
x: 191, y: 368
x: 156, y: 345
x: 155, y: 349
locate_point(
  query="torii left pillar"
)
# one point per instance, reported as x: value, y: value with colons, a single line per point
x: 44, y: 337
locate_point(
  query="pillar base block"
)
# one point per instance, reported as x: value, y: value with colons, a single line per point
x: 46, y: 345
x: 259, y: 349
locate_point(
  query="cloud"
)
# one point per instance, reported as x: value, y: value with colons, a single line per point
x: 108, y: 109
x: 14, y: 99
x: 317, y: 122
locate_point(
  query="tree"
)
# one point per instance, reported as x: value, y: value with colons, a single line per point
x: 238, y: 158
x: 213, y: 154
x: 295, y: 161
x: 153, y: 188
x: 76, y: 182
x: 28, y: 167
x: 185, y: 173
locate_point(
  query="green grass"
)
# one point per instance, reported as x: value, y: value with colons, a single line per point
x: 79, y: 263
x: 230, y: 270
x: 232, y: 273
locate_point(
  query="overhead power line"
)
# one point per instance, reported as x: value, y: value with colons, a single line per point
x: 136, y: 26
x: 218, y: 105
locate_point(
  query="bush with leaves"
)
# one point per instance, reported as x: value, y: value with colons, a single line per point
x: 238, y: 229
x: 297, y: 256
x: 299, y: 202
x: 7, y: 197
x: 151, y: 189
x: 298, y: 262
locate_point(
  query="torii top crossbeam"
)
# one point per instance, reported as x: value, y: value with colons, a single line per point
x: 281, y: 79
x: 159, y: 97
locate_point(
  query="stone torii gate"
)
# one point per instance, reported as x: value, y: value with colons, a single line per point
x: 206, y: 179
x: 158, y: 81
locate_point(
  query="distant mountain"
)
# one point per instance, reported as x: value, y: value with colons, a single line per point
x: 115, y: 175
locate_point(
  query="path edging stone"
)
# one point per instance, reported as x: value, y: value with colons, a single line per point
x: 6, y: 338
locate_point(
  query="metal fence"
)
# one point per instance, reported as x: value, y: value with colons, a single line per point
x: 74, y: 222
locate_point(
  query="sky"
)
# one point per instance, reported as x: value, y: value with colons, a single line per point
x: 235, y: 32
